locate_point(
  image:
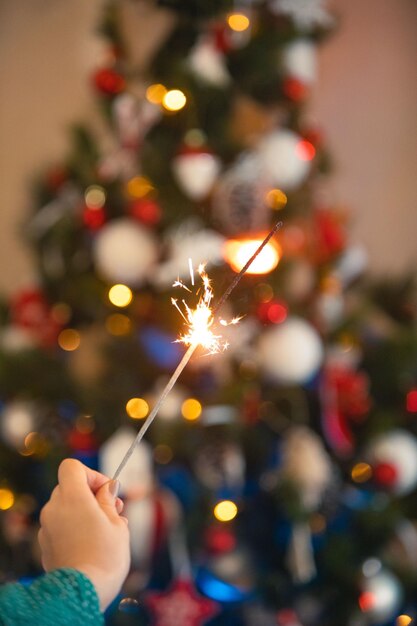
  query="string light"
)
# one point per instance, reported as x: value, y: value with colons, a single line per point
x: 225, y: 511
x: 6, y: 499
x: 155, y: 93
x: 191, y: 409
x: 139, y: 186
x: 174, y: 100
x: 276, y: 199
x: 238, y: 22
x: 137, y: 408
x: 403, y: 620
x: 95, y: 197
x: 120, y: 295
x: 305, y: 150
x: 118, y: 325
x: 361, y: 472
x: 69, y: 339
x: 237, y: 252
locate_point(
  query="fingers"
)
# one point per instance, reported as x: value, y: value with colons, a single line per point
x: 74, y: 476
x: 107, y: 499
x: 119, y: 505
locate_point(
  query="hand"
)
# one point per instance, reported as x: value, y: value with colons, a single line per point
x: 81, y: 528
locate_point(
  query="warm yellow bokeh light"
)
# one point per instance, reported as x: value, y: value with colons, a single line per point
x: 6, y: 499
x: 276, y: 199
x: 174, y: 100
x: 137, y: 408
x: 238, y: 252
x: 69, y: 339
x: 403, y: 620
x: 118, y: 324
x: 120, y: 295
x: 139, y: 186
x: 162, y: 453
x: 238, y: 22
x: 155, y: 93
x: 191, y: 409
x: 361, y: 472
x: 95, y: 197
x: 225, y: 511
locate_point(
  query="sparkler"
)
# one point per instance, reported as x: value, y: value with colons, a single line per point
x: 199, y: 322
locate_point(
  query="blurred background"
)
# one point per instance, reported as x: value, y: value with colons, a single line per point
x: 277, y: 486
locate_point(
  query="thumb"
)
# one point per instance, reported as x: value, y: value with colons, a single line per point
x: 106, y: 497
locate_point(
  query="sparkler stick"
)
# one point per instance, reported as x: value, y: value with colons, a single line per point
x: 187, y: 356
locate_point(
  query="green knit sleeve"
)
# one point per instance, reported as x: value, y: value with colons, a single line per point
x: 63, y: 597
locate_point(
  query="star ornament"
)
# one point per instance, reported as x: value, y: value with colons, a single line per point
x: 181, y: 605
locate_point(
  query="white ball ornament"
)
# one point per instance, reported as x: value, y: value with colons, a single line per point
x: 282, y: 160
x: 125, y: 252
x: 398, y: 449
x: 291, y: 352
x: 17, y: 421
x: 195, y: 170
x: 299, y: 60
x: 381, y: 596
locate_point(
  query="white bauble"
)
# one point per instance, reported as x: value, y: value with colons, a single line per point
x: 137, y: 475
x: 207, y: 63
x: 15, y: 339
x: 291, y: 352
x: 195, y: 172
x: 299, y: 60
x: 17, y: 420
x: 125, y: 252
x: 397, y: 448
x: 386, y: 593
x: 281, y: 159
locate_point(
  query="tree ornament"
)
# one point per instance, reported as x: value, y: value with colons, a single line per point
x: 108, y: 82
x: 207, y: 63
x: 133, y: 119
x: 328, y: 237
x: 290, y: 352
x: 18, y: 419
x: 393, y: 457
x: 146, y: 210
x: 282, y: 159
x: 195, y: 169
x: 125, y: 252
x: 306, y: 14
x: 180, y: 605
x: 239, y: 203
x: 381, y: 593
x: 273, y: 312
x: 93, y: 219
x: 30, y: 311
x: 299, y: 60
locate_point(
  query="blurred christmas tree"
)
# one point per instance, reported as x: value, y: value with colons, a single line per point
x: 275, y: 486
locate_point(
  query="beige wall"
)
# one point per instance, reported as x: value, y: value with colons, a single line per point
x: 366, y: 101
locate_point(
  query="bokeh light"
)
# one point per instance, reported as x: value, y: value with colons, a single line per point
x: 361, y: 472
x: 174, y: 100
x: 163, y: 453
x: 276, y: 199
x: 403, y: 620
x: 411, y: 401
x: 238, y: 22
x: 137, y: 408
x: 155, y: 93
x: 305, y: 150
x: 238, y: 252
x: 120, y: 295
x: 139, y: 186
x: 6, y: 499
x: 69, y: 339
x: 366, y: 601
x: 225, y: 511
x: 191, y: 409
x: 118, y: 324
x: 95, y: 197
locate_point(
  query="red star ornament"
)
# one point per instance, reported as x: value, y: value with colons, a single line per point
x: 181, y: 605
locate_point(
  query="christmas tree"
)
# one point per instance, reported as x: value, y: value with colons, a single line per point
x: 275, y: 486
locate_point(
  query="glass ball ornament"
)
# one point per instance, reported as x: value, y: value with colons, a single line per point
x: 282, y: 160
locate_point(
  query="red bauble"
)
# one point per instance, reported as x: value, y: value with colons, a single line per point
x: 108, y: 81
x: 294, y: 89
x: 272, y: 312
x: 329, y: 235
x: 220, y: 540
x: 146, y: 210
x: 31, y: 311
x: 56, y: 177
x: 81, y: 441
x: 93, y: 218
x: 385, y: 474
x: 352, y: 390
x: 411, y: 401
x: 180, y: 605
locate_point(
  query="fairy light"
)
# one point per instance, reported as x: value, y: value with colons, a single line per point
x: 225, y: 511
x: 137, y: 408
x: 403, y: 620
x: 139, y: 186
x: 276, y: 199
x: 118, y: 325
x: 361, y: 472
x: 69, y: 339
x: 95, y: 197
x: 191, y: 409
x: 6, y: 499
x: 174, y: 100
x: 120, y: 295
x: 305, y: 150
x: 155, y: 93
x: 236, y: 252
x: 238, y: 22
x: 199, y: 322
